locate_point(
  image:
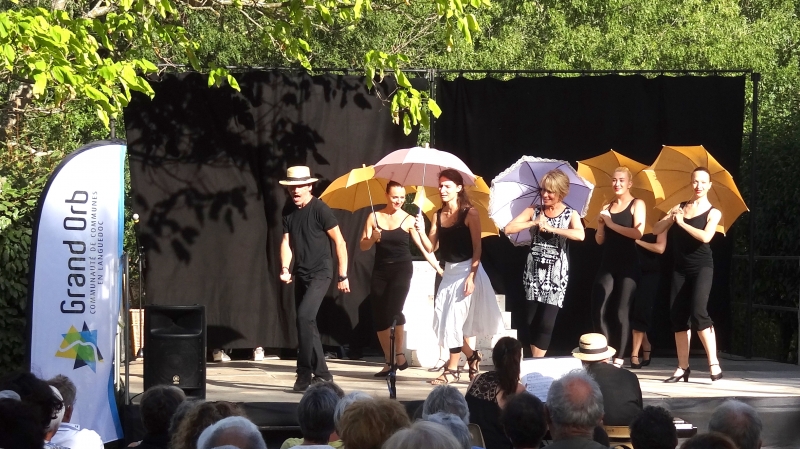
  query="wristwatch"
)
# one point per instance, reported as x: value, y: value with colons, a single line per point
x: 342, y: 278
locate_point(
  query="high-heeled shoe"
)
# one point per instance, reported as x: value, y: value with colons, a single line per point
x: 684, y: 376
x: 405, y: 364
x: 383, y: 373
x: 645, y: 362
x: 438, y: 367
x: 714, y: 377
x: 635, y: 365
x: 475, y: 358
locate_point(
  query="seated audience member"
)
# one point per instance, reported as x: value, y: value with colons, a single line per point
x: 198, y: 418
x: 455, y: 425
x: 37, y: 394
x: 235, y: 431
x: 157, y: 407
x: 654, y: 429
x: 315, y: 415
x: 368, y: 424
x: 711, y: 440
x: 19, y: 424
x: 622, y: 395
x: 345, y: 401
x: 487, y: 394
x: 739, y: 422
x: 446, y: 399
x: 574, y: 408
x: 523, y: 421
x: 70, y: 434
x: 181, y: 412
x: 52, y: 428
x: 423, y: 435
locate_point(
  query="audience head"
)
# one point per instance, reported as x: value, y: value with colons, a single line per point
x: 506, y: 356
x: 738, y: 421
x: 36, y: 393
x: 330, y: 385
x: 422, y: 434
x: 19, y: 424
x: 315, y: 413
x: 157, y: 407
x: 711, y: 440
x: 653, y: 428
x: 346, y: 402
x: 52, y: 428
x: 68, y: 393
x: 234, y: 431
x: 523, y: 420
x: 198, y: 418
x: 180, y: 413
x: 593, y: 348
x: 368, y: 424
x: 447, y: 399
x: 574, y: 405
x: 455, y: 425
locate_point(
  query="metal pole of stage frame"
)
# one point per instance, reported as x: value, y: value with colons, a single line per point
x: 751, y: 250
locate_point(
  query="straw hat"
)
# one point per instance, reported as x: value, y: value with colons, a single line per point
x: 298, y: 176
x: 593, y: 348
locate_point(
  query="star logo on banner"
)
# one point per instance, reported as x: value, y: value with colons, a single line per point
x: 81, y: 346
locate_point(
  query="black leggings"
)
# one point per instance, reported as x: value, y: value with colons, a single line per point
x: 606, y: 282
x: 541, y: 319
x: 646, y: 292
x: 388, y: 291
x: 689, y: 298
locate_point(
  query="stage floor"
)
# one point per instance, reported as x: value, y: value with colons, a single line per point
x: 271, y: 380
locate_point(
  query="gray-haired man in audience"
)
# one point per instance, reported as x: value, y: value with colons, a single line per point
x: 315, y: 416
x: 234, y: 431
x: 70, y: 434
x: 446, y: 399
x: 738, y: 421
x: 574, y: 408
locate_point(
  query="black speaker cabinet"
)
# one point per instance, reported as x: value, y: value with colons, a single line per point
x: 175, y: 348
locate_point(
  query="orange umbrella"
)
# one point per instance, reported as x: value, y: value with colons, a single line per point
x: 673, y: 169
x: 429, y: 201
x: 599, y: 171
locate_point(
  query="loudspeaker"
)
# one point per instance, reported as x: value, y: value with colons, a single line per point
x: 175, y: 348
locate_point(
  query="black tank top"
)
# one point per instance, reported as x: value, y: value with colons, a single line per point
x: 689, y: 252
x: 651, y: 262
x: 620, y: 251
x: 393, y: 246
x: 455, y: 242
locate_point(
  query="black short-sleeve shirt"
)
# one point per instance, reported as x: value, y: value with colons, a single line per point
x: 307, y: 229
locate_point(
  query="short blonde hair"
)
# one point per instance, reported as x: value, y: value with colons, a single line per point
x: 368, y: 424
x: 626, y: 170
x: 557, y: 182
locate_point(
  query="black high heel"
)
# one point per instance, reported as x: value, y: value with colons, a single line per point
x: 476, y: 357
x: 436, y: 368
x: 635, y: 365
x: 405, y: 364
x: 714, y: 376
x: 383, y: 373
x: 645, y: 362
x: 684, y: 376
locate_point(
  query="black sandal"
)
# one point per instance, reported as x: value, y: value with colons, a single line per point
x: 475, y: 358
x: 436, y: 368
x: 443, y: 379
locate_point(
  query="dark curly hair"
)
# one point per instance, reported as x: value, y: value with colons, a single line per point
x: 198, y: 419
x: 36, y: 393
x: 19, y: 427
x: 523, y: 420
x: 653, y: 428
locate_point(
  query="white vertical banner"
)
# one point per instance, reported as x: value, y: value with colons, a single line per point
x: 76, y: 280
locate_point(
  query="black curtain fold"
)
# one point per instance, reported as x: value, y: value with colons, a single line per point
x: 491, y: 123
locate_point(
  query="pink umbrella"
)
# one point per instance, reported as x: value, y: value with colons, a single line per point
x: 420, y: 166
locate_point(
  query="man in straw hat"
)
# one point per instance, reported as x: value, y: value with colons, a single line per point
x: 307, y: 226
x: 622, y: 394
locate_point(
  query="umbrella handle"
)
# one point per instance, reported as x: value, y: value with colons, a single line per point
x: 372, y: 206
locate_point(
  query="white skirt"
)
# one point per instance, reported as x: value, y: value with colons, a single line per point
x: 456, y: 316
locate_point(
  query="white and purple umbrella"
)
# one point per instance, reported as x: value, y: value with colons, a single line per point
x: 518, y: 187
x: 420, y: 166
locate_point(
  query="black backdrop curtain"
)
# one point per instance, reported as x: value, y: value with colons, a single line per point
x: 205, y: 165
x: 491, y: 123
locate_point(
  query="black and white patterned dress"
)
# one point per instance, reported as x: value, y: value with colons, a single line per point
x: 547, y: 270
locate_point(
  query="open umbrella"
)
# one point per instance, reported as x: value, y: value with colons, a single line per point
x: 420, y: 166
x: 429, y: 201
x: 673, y: 169
x: 356, y: 189
x: 518, y: 187
x: 599, y: 170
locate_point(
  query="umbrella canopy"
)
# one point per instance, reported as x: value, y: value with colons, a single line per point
x: 420, y: 167
x: 356, y: 189
x: 600, y: 169
x: 429, y: 201
x: 518, y: 187
x: 673, y: 169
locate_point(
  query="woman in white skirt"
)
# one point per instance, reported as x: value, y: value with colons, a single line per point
x: 465, y: 302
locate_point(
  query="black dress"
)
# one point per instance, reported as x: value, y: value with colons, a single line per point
x: 485, y: 411
x: 391, y: 277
